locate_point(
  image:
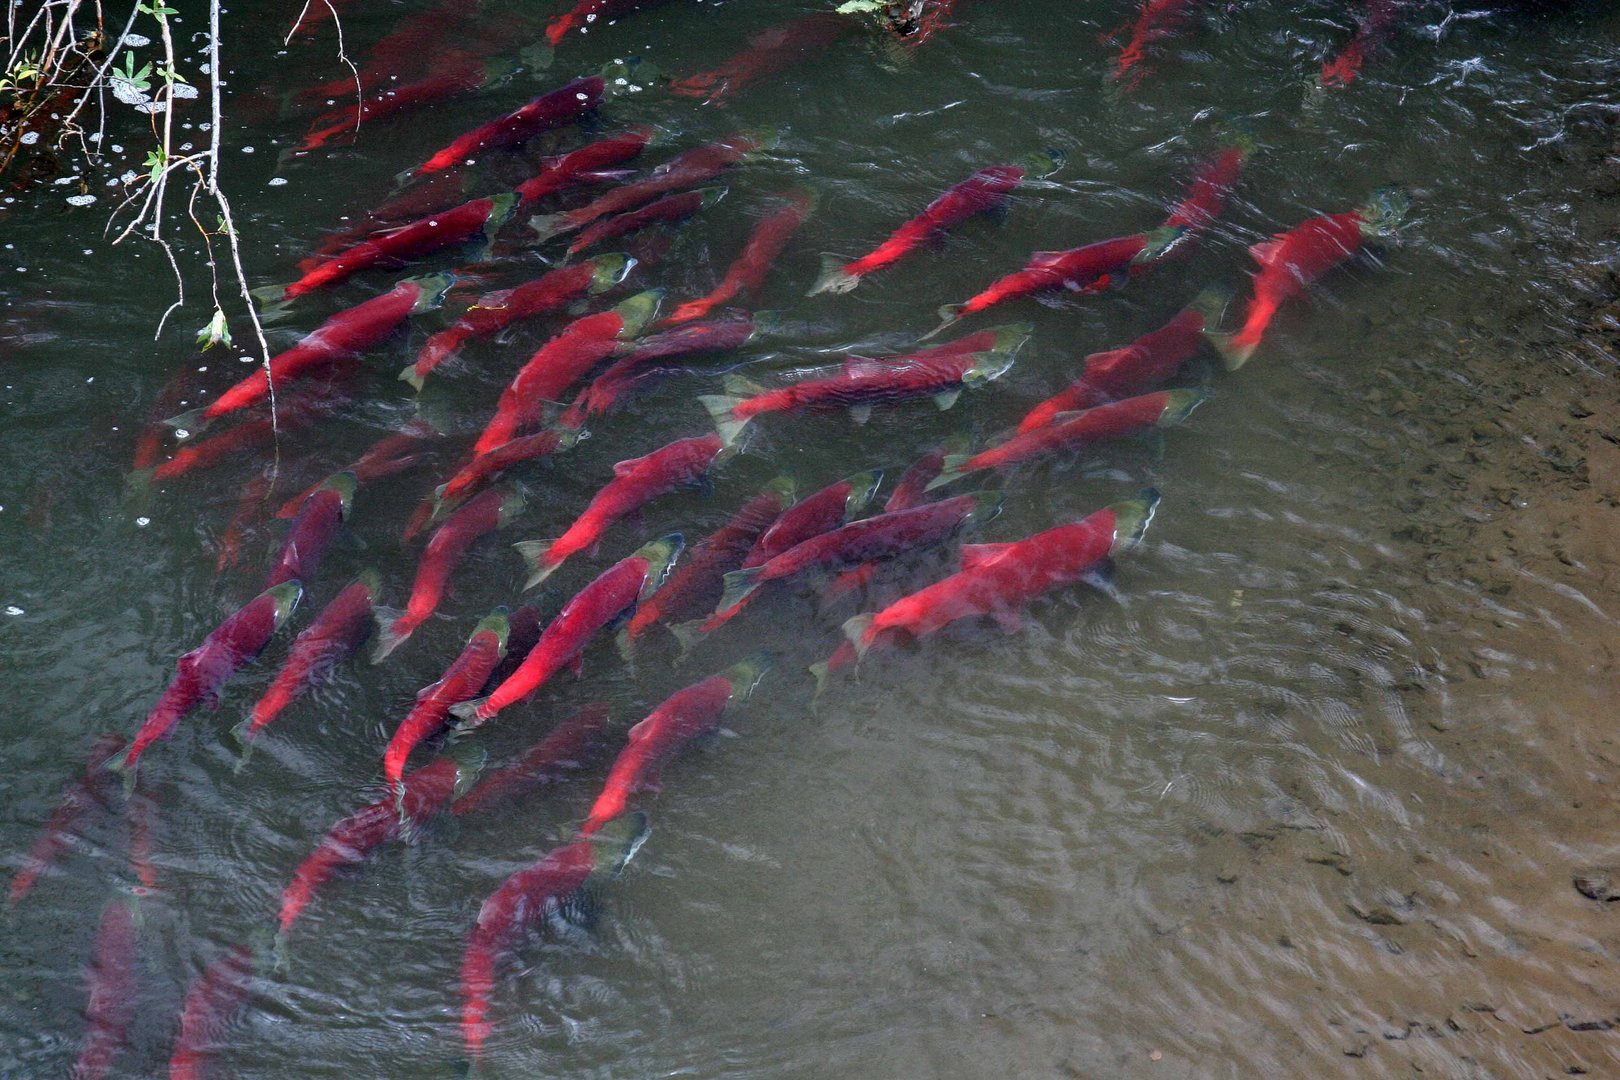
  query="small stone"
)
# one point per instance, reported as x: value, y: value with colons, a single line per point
x: 1226, y: 876
x: 1598, y: 883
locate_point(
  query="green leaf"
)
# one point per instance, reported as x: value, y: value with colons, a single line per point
x: 860, y: 7
x: 216, y: 332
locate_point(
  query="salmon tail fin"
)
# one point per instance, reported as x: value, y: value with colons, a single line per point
x: 243, y: 733
x: 687, y: 635
x: 627, y: 646
x: 272, y: 301
x: 1234, y: 354
x: 1180, y: 405
x: 1131, y: 519
x: 188, y: 423
x: 390, y: 635
x: 466, y: 713
x: 1211, y: 303
x: 855, y: 630
x: 952, y: 471
x: 722, y: 410
x: 745, y: 674
x: 534, y: 557
x: 1043, y: 163
x: 412, y: 376
x: 821, y: 671
x: 121, y: 764
x: 549, y: 226
x: 834, y: 278
x: 949, y: 315
x: 739, y: 586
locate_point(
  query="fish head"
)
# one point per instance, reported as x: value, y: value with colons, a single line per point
x: 782, y: 488
x: 660, y: 556
x: 372, y: 582
x: 616, y: 843
x: 862, y: 488
x: 344, y: 484
x: 1131, y: 519
x: 745, y: 674
x: 636, y: 312
x: 1384, y: 211
x: 1178, y: 405
x: 512, y: 503
x: 431, y: 289
x: 1043, y: 163
x: 497, y: 622
x: 610, y: 270
x: 286, y: 595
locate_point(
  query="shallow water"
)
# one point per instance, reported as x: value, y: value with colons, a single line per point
x: 1307, y: 801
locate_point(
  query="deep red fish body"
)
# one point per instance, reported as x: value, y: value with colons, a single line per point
x: 1000, y: 579
x: 825, y: 510
x: 1206, y: 195
x: 694, y: 586
x: 393, y: 453
x: 1157, y: 20
x: 747, y: 272
x: 878, y: 537
x: 461, y: 681
x: 614, y: 592
x: 331, y: 637
x: 523, y: 628
x: 767, y: 53
x: 293, y: 411
x: 341, y: 338
x: 425, y: 793
x: 455, y: 72
x: 422, y: 237
x: 484, y: 468
x: 1342, y: 69
x: 630, y: 371
x: 495, y: 311
x: 635, y: 483
x: 562, y: 106
x: 201, y: 673
x: 1082, y: 269
x: 89, y: 792
x: 114, y: 990
x: 984, y: 190
x: 249, y: 504
x: 211, y: 1003
x: 581, y: 164
x: 686, y: 170
x: 561, y: 751
x: 1145, y: 363
x: 670, y: 208
x: 1071, y: 431
x: 1288, y: 263
x: 484, y: 513
x: 587, y: 12
x: 312, y: 531
x: 909, y: 492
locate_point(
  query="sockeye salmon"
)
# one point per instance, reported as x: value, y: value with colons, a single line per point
x: 999, y: 580
x: 585, y: 164
x: 313, y: 530
x: 909, y: 492
x: 561, y: 106
x: 461, y: 681
x: 1071, y: 431
x: 211, y: 1003
x: 984, y: 191
x: 331, y: 637
x: 1144, y: 364
x: 526, y: 899
x: 1157, y: 20
x: 667, y: 210
x: 456, y: 71
x: 636, y: 482
x: 201, y: 673
x: 614, y: 592
x: 695, y: 586
x: 393, y: 453
x: 1292, y: 260
x: 815, y: 514
x: 633, y: 370
x: 768, y: 52
x: 562, y: 751
x: 654, y: 742
x: 747, y: 272
x: 114, y: 990
x: 940, y: 372
x: 484, y: 468
x: 562, y: 362
x: 490, y: 510
x: 857, y: 543
x: 1342, y: 69
x: 90, y: 792
x: 495, y: 311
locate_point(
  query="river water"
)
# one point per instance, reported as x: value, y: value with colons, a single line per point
x: 1305, y: 799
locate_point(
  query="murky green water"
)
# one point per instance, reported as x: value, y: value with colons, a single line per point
x: 1306, y: 804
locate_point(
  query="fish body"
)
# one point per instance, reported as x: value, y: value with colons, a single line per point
x: 1091, y: 268
x: 393, y: 453
x: 1157, y: 20
x: 683, y: 716
x: 635, y: 483
x: 1341, y: 70
x: 635, y: 370
x: 313, y: 530
x: 813, y: 515
x: 1206, y: 196
x: 588, y: 12
x: 613, y: 593
x: 562, y: 362
x: 474, y: 219
x: 201, y: 673
x: 768, y: 52
x: 1144, y: 364
x: 583, y: 164
x: 686, y: 170
x: 495, y: 311
x: 211, y: 1003
x: 88, y: 793
x: 485, y: 467
x: 747, y: 272
x: 456, y: 71
x: 696, y: 584
x: 561, y: 751
x: 1000, y: 579
x: 1071, y: 431
x: 671, y: 208
x: 561, y: 106
x: 342, y: 338
x: 461, y: 681
x: 294, y: 410
x: 114, y: 990
x: 527, y: 898
x: 984, y: 190
x: 857, y: 543
x: 909, y: 492
x: 484, y: 513
x: 332, y: 636
x: 424, y: 794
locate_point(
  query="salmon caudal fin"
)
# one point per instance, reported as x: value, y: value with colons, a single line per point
x: 410, y: 375
x: 1131, y: 519
x: 392, y: 630
x: 124, y: 767
x: 1233, y: 353
x: 745, y: 674
x: 272, y: 302
x: 834, y: 278
x: 722, y: 410
x: 550, y: 226
x: 951, y: 472
x: 855, y: 630
x: 535, y: 554
x: 188, y: 423
x: 466, y: 714
x: 739, y: 586
x: 949, y: 315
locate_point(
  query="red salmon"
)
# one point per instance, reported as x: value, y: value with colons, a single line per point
x: 1342, y: 69
x: 1157, y: 20
x: 669, y: 209
x: 114, y: 990
x: 747, y: 272
x: 461, y: 681
x: 584, y: 164
x: 483, y: 468
x: 390, y: 454
x: 562, y: 106
x: 90, y: 792
x: 768, y: 52
x: 815, y: 514
x: 633, y: 370
x: 562, y: 751
x: 313, y: 530
x: 210, y: 1006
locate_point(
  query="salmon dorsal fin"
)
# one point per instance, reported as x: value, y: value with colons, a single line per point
x: 642, y: 729
x: 626, y: 467
x: 1047, y: 258
x: 858, y: 366
x: 977, y: 555
x: 1265, y: 252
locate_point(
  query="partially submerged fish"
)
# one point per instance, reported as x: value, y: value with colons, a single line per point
x: 483, y: 468
x: 813, y: 515
x: 634, y: 369
x: 393, y: 453
x: 767, y: 53
x: 747, y: 272
x: 561, y: 106
x: 667, y: 210
x: 586, y: 164
x: 211, y: 1003
x: 461, y: 681
x: 114, y: 990
x: 1375, y: 28
x: 313, y: 529
x: 560, y: 752
x: 635, y: 483
x: 90, y: 792
x: 1158, y: 19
